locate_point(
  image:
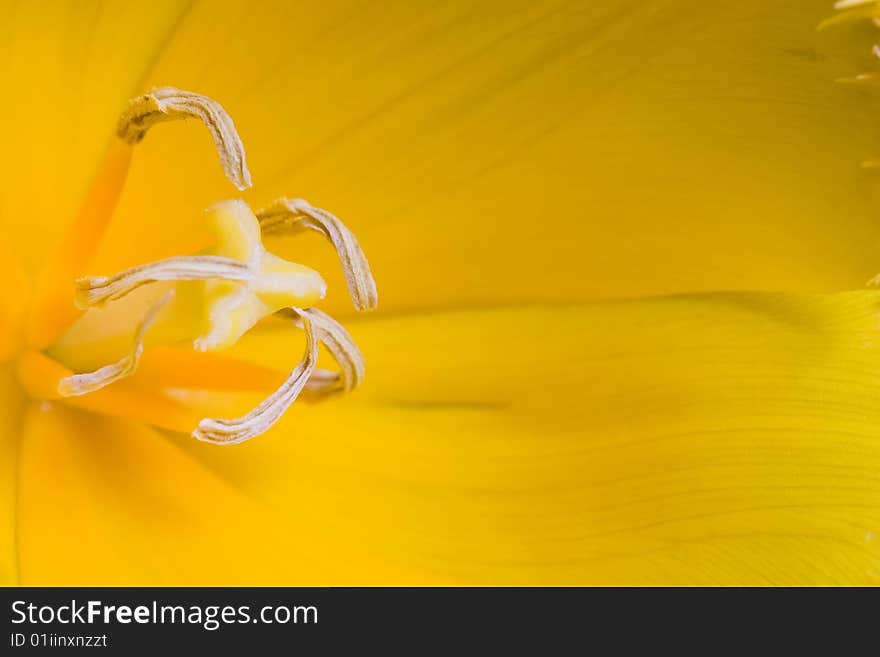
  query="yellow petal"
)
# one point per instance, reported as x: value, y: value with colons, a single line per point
x: 723, y: 439
x: 534, y: 151
x: 137, y: 510
x: 51, y: 309
x: 15, y: 287
x: 68, y: 68
x: 11, y: 406
x: 184, y: 368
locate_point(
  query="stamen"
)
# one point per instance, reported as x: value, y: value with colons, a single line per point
x: 169, y: 104
x: 297, y: 214
x: 343, y: 349
x: 81, y: 384
x: 243, y: 281
x: 98, y: 290
x: 264, y: 416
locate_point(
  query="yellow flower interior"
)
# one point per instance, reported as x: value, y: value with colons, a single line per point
x: 207, y: 300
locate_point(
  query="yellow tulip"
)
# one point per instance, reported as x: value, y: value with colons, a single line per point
x: 620, y: 248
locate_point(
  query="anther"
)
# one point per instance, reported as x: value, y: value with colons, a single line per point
x: 170, y: 104
x: 98, y: 290
x: 297, y: 215
x: 341, y: 346
x: 81, y: 384
x: 264, y: 416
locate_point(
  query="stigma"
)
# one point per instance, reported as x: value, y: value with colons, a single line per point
x: 213, y: 298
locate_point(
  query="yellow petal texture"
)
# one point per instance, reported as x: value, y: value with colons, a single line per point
x: 138, y: 510
x: 716, y: 439
x: 51, y: 310
x: 13, y: 299
x: 68, y: 68
x: 11, y: 406
x: 520, y: 151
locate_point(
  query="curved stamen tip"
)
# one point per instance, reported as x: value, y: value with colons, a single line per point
x: 264, y: 416
x: 83, y: 384
x: 171, y: 104
x: 297, y: 214
x: 342, y: 348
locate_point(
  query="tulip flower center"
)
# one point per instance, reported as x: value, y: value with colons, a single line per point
x: 213, y: 297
